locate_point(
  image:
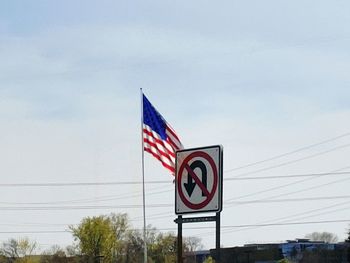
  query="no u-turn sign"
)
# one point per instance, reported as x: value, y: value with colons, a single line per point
x: 198, y: 182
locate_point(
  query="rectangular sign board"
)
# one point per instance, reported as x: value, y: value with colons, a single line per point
x: 198, y: 180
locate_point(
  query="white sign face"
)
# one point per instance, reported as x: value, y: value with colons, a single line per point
x: 198, y: 181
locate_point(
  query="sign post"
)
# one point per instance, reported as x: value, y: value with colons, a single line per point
x: 217, y: 241
x: 198, y: 188
x: 179, y: 239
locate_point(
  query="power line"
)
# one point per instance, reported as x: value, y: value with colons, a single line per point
x: 31, y: 208
x: 288, y: 220
x: 82, y: 184
x: 298, y: 191
x: 288, y: 217
x: 127, y: 196
x: 34, y: 224
x: 283, y: 186
x: 35, y: 232
x: 312, y: 187
x: 154, y: 216
x: 284, y: 176
x: 202, y: 227
x: 166, y: 181
x: 289, y: 153
x: 229, y: 202
x: 290, y: 200
x: 163, y: 182
x: 292, y: 161
x: 164, y: 215
x: 301, y: 215
x: 278, y: 224
x: 87, y: 200
x: 170, y: 205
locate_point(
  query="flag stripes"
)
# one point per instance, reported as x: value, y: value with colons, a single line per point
x: 159, y: 139
x: 173, y: 139
x: 162, y: 150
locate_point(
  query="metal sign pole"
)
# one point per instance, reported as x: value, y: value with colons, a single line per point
x: 179, y: 239
x: 218, y: 256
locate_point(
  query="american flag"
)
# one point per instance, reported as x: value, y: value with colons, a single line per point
x: 159, y: 138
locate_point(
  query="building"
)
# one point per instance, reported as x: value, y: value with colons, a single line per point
x: 296, y: 251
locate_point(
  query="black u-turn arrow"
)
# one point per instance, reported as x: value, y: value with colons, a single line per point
x: 190, y: 185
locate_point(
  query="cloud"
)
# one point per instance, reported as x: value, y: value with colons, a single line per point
x: 261, y: 78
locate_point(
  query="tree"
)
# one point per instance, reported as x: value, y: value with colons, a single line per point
x: 209, y: 260
x: 55, y: 254
x: 120, y: 227
x: 18, y: 250
x: 164, y: 248
x: 322, y: 236
x: 193, y: 244
x: 155, y: 245
x: 73, y: 250
x: 134, y: 247
x: 112, y: 238
x: 9, y: 249
x: 100, y: 238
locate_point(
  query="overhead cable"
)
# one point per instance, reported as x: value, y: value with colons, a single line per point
x: 289, y: 153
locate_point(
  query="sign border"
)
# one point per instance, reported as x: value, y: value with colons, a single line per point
x: 220, y: 179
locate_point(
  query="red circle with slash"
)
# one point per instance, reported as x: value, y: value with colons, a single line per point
x: 209, y: 194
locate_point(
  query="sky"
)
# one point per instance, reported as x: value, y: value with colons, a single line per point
x: 268, y: 80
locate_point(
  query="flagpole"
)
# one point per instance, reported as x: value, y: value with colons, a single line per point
x: 143, y: 185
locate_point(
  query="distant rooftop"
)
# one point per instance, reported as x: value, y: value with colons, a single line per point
x: 303, y: 240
